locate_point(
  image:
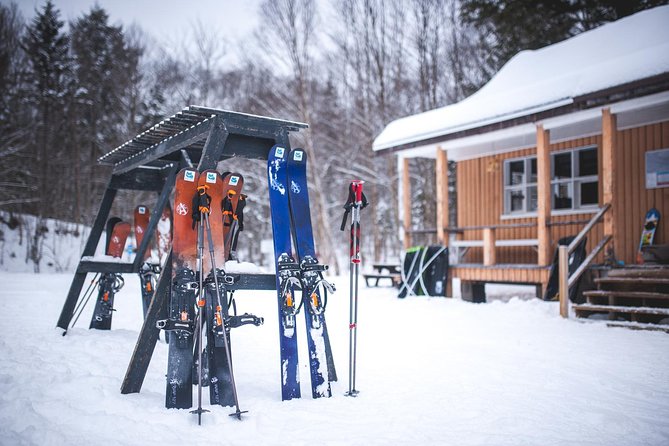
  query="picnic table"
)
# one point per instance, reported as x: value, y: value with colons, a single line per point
x: 389, y: 271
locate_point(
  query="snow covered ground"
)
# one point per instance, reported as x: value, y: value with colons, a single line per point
x: 431, y: 371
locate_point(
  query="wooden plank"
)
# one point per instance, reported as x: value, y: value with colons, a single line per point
x: 157, y: 213
x: 607, y: 178
x: 148, y: 336
x: 543, y: 195
x: 213, y: 147
x: 489, y: 253
x: 89, y: 250
x: 442, y: 195
x: 406, y: 202
x: 620, y: 309
x: 633, y: 280
x: 627, y: 294
x: 104, y: 267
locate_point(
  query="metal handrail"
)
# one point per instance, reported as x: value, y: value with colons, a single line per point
x: 565, y: 281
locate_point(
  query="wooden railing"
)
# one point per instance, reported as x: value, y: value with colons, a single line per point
x: 565, y: 280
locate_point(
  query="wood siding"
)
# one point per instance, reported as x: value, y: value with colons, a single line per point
x: 481, y: 203
x: 633, y: 199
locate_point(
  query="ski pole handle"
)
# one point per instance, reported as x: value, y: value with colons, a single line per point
x: 356, y: 187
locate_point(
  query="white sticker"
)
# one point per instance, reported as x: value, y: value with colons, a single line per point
x: 141, y: 210
x: 233, y: 180
x: 189, y: 175
x: 298, y: 155
x: 211, y: 177
x: 182, y: 209
x: 279, y: 152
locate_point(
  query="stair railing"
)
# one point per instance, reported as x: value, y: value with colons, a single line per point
x: 564, y: 251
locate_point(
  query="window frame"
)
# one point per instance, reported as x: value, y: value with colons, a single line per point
x: 573, y: 183
x: 525, y: 186
x: 575, y: 180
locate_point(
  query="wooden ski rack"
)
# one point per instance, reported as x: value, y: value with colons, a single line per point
x: 149, y: 162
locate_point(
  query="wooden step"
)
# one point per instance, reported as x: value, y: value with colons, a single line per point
x: 628, y: 324
x: 627, y: 294
x: 653, y: 272
x: 633, y: 280
x: 619, y: 309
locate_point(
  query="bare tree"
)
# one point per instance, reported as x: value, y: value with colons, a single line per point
x: 290, y: 31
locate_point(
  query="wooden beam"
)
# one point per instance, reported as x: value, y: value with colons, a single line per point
x: 406, y: 203
x: 163, y: 199
x: 89, y: 250
x: 609, y: 130
x: 543, y: 195
x: 148, y: 336
x: 442, y: 196
x: 213, y: 147
x: 489, y: 253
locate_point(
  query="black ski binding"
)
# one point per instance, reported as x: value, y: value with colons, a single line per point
x: 187, y: 326
x: 244, y: 319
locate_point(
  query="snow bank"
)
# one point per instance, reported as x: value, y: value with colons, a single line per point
x: 633, y: 48
x: 430, y: 371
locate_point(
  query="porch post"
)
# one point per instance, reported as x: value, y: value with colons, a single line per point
x: 406, y: 203
x: 442, y: 196
x: 543, y: 195
x: 609, y: 129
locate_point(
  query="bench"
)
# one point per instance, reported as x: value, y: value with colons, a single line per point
x: 393, y: 274
x: 394, y: 278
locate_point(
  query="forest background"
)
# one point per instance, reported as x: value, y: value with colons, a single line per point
x: 70, y: 92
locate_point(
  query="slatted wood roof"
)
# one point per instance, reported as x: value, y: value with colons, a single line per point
x: 189, y: 129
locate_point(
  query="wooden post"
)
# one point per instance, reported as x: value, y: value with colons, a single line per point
x: 609, y: 129
x: 489, y: 253
x: 543, y: 195
x: 442, y: 196
x: 406, y: 202
x: 563, y: 279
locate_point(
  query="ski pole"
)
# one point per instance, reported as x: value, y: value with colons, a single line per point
x: 238, y: 413
x: 203, y: 208
x: 356, y: 201
x: 84, y: 299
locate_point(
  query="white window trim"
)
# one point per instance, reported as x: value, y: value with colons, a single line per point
x: 527, y: 166
x: 586, y: 209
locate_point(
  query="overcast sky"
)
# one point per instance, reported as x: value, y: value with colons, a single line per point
x: 165, y: 20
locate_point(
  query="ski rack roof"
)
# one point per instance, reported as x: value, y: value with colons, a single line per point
x: 245, y: 135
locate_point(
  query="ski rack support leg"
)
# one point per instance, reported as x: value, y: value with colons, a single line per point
x: 213, y: 147
x: 155, y: 216
x: 148, y: 336
x: 93, y: 238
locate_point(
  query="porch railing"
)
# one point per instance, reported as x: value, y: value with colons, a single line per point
x: 566, y: 281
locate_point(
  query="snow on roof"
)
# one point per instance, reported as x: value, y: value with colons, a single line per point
x: 627, y: 50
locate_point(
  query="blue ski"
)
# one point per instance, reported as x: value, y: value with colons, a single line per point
x: 287, y: 271
x: 314, y: 287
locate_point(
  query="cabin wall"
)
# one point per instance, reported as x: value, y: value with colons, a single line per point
x: 480, y: 197
x: 632, y: 199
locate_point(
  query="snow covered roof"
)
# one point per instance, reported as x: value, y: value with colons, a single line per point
x: 628, y: 50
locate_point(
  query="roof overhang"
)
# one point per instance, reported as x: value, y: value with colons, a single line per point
x: 569, y: 125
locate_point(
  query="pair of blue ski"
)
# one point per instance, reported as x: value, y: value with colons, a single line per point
x: 291, y: 221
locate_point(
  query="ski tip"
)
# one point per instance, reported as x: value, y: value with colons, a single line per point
x: 352, y: 393
x: 238, y: 414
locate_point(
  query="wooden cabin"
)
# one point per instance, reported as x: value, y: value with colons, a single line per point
x: 541, y: 149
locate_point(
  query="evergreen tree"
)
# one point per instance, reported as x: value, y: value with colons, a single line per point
x: 105, y: 66
x: 511, y: 26
x: 47, y: 50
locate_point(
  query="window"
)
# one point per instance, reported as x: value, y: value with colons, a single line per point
x: 520, y: 185
x: 574, y: 181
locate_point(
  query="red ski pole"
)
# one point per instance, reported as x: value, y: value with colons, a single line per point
x: 356, y: 201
